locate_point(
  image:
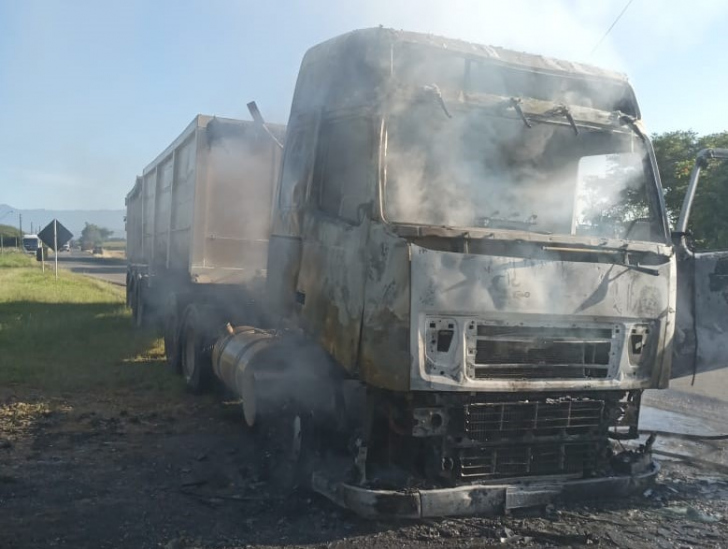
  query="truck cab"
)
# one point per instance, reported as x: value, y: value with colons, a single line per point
x: 478, y: 239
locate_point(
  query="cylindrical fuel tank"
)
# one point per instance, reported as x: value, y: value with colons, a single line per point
x: 233, y: 359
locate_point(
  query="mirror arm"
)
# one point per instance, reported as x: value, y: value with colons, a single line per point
x: 700, y: 162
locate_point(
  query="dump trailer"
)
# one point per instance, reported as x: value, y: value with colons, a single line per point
x: 470, y: 281
x: 197, y: 226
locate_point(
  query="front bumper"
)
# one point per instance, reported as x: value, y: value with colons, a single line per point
x: 482, y: 499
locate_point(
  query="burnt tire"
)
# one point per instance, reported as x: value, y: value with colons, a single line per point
x: 291, y: 449
x: 195, y: 357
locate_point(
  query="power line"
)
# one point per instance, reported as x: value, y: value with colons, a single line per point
x: 621, y: 13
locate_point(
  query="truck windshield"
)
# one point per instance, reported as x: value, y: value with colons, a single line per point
x: 30, y: 243
x: 480, y: 170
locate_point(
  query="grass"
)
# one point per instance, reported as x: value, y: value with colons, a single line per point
x: 73, y: 336
x: 115, y: 245
x: 12, y: 259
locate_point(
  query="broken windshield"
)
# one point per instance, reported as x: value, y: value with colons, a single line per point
x: 480, y: 170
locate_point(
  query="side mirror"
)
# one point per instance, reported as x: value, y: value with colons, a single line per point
x: 701, y: 161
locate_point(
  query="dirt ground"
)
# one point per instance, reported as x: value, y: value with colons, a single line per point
x: 119, y: 471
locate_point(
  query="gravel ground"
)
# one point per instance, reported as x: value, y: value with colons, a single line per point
x: 112, y: 471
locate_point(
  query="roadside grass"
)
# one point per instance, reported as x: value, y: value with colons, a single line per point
x: 73, y: 336
x: 12, y: 259
x: 115, y: 245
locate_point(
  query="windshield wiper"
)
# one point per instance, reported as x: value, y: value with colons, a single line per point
x: 516, y: 104
x: 434, y: 90
x: 631, y: 121
x: 563, y: 110
x: 600, y: 250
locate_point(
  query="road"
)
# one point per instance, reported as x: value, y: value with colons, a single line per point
x: 105, y: 268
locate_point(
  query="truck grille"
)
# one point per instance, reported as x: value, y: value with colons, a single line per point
x: 527, y: 460
x: 535, y: 352
x: 487, y: 422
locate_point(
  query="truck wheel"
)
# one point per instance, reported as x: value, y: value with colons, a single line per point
x: 172, y: 342
x: 132, y: 299
x: 196, y: 366
x: 129, y: 290
x: 139, y: 312
x: 293, y: 448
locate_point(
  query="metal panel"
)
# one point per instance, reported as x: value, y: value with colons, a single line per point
x: 202, y: 208
x: 703, y: 328
x: 162, y: 210
x: 566, y: 296
x: 235, y: 184
x: 148, y: 195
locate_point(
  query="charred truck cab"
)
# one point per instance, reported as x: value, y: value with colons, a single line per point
x: 478, y: 238
x: 470, y: 281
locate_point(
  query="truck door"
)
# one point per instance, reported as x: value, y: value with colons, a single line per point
x: 701, y: 335
x: 330, y: 288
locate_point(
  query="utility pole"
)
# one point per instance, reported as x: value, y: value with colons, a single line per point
x: 20, y: 228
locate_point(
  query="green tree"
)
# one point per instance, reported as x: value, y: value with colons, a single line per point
x: 676, y: 152
x: 93, y: 235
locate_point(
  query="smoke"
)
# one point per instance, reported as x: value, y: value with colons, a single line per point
x: 463, y: 165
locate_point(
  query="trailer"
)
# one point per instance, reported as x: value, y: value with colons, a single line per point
x: 468, y: 278
x: 198, y: 221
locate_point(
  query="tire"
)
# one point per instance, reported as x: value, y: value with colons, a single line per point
x: 195, y: 359
x: 139, y: 312
x: 292, y: 446
x: 129, y: 289
x: 132, y: 299
x: 172, y: 348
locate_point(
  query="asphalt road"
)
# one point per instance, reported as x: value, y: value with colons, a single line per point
x: 105, y: 268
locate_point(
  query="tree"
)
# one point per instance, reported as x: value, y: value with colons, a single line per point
x: 93, y: 235
x: 10, y: 235
x: 676, y: 152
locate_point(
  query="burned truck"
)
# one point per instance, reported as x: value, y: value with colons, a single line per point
x: 470, y: 280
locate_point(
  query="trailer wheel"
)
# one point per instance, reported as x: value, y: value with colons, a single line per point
x: 129, y: 289
x: 172, y: 341
x: 196, y: 366
x: 139, y: 312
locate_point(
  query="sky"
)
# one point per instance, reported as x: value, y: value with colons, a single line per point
x: 91, y: 90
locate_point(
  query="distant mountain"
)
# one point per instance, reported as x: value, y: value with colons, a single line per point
x: 73, y: 220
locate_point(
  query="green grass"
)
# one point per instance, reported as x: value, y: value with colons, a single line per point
x: 115, y: 245
x: 12, y: 259
x: 73, y: 335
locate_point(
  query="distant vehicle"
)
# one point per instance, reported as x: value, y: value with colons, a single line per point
x: 98, y: 250
x: 31, y: 243
x: 66, y: 248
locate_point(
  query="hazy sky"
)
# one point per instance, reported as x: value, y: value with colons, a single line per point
x: 91, y: 91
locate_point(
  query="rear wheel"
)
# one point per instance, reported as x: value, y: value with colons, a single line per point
x: 139, y: 312
x: 195, y: 358
x: 129, y: 289
x: 172, y: 340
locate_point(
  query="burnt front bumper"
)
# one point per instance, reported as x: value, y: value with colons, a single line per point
x: 477, y: 499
